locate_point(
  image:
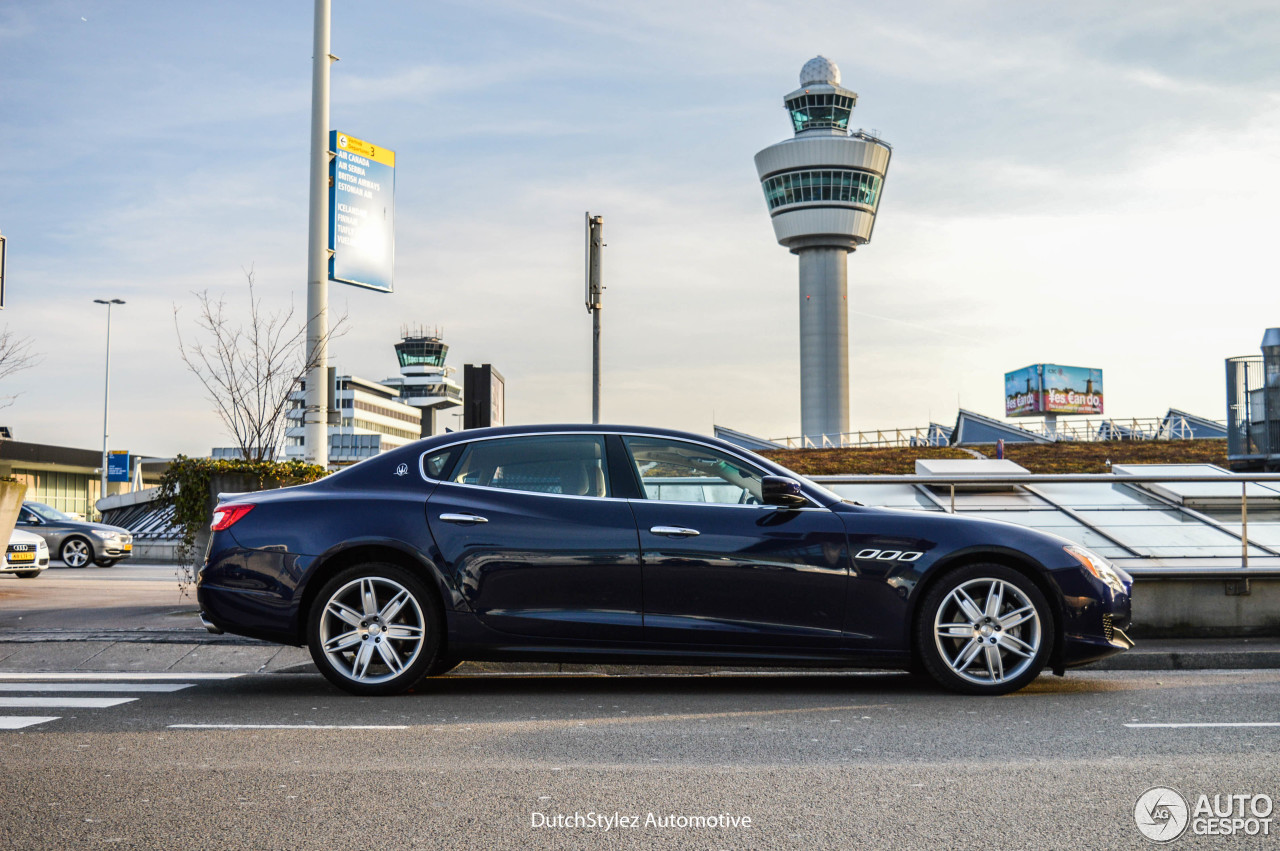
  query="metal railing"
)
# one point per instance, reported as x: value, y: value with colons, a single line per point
x: 1029, y: 481
x: 1079, y: 431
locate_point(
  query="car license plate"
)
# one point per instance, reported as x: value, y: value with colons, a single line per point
x: 128, y: 547
x: 22, y: 556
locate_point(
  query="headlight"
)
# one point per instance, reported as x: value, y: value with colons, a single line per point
x: 1098, y: 566
x: 105, y: 534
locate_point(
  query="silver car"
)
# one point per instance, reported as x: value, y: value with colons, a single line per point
x: 76, y: 542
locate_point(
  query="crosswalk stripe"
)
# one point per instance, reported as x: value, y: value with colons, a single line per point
x: 288, y: 727
x: 109, y: 676
x: 62, y: 702
x: 126, y: 688
x: 17, y: 722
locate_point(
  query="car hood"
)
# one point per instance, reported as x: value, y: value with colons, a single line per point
x: 21, y: 536
x: 86, y: 526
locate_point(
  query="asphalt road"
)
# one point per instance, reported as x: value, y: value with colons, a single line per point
x: 814, y: 761
x: 140, y: 596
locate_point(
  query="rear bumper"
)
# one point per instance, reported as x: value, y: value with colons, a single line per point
x: 254, y: 614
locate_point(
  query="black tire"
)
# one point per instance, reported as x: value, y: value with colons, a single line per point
x: 27, y: 574
x: 76, y: 552
x: 967, y: 648
x: 106, y: 562
x: 362, y: 646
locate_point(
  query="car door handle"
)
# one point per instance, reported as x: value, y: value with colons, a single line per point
x: 463, y: 518
x: 674, y: 531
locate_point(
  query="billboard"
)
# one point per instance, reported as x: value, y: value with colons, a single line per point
x: 1048, y: 388
x: 1022, y: 392
x: 362, y: 233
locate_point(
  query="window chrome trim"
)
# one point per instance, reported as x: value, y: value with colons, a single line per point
x: 422, y: 470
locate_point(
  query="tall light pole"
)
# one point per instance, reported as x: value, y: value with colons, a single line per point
x: 106, y: 392
x: 315, y: 414
x: 595, y: 291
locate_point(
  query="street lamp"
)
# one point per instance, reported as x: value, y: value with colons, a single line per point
x: 106, y: 392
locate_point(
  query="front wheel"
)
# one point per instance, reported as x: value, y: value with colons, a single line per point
x: 27, y: 574
x: 106, y: 562
x: 984, y: 629
x: 374, y: 629
x: 76, y: 552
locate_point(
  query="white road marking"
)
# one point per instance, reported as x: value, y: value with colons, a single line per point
x: 17, y: 722
x: 109, y: 676
x: 1208, y: 724
x: 288, y: 727
x: 82, y: 687
x: 63, y: 702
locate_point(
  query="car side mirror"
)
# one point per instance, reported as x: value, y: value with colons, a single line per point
x: 782, y: 491
x: 28, y: 521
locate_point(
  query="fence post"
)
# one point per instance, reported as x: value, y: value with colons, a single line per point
x: 1244, y: 523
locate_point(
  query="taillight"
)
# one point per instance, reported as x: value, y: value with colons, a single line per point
x: 226, y: 516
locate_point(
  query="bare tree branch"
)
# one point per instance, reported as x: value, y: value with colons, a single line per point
x: 249, y: 371
x: 15, y: 356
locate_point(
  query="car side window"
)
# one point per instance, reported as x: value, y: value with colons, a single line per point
x: 678, y: 471
x: 572, y: 464
x: 437, y: 464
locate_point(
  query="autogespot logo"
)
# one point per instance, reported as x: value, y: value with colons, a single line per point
x: 1161, y: 814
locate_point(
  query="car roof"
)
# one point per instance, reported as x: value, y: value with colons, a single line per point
x: 544, y: 428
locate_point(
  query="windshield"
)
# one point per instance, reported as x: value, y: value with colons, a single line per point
x: 48, y: 512
x: 778, y: 469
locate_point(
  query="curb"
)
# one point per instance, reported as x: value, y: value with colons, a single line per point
x: 211, y: 647
x: 1178, y: 660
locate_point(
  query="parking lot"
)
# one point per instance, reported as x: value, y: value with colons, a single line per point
x: 153, y: 756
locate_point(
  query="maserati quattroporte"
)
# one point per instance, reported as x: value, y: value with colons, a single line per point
x: 631, y: 545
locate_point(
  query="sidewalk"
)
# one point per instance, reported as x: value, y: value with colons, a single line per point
x: 190, y: 650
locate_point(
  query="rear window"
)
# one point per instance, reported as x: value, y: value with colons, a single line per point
x: 437, y: 464
x: 572, y: 464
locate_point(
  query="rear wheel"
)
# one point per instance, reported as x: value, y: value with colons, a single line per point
x: 76, y: 552
x: 374, y: 629
x: 984, y: 629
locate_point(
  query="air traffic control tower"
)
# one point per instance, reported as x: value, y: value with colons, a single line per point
x: 822, y: 188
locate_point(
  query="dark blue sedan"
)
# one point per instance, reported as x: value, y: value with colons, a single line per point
x: 613, y: 544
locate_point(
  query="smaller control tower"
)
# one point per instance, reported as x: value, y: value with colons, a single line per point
x: 823, y: 189
x: 425, y: 381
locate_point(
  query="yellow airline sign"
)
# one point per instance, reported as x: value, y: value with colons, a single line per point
x: 361, y: 148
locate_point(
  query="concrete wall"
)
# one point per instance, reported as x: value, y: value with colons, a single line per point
x: 1176, y: 608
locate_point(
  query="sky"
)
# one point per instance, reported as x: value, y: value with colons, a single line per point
x: 1088, y: 183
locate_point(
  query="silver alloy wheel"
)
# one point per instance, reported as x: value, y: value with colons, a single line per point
x: 76, y: 553
x: 987, y: 642
x: 372, y: 629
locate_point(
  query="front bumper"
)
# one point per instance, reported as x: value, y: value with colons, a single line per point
x: 115, y: 548
x: 14, y: 561
x: 1096, y: 628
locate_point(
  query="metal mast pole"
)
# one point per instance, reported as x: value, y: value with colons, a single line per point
x: 595, y: 288
x: 106, y: 394
x: 106, y: 406
x: 316, y: 412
